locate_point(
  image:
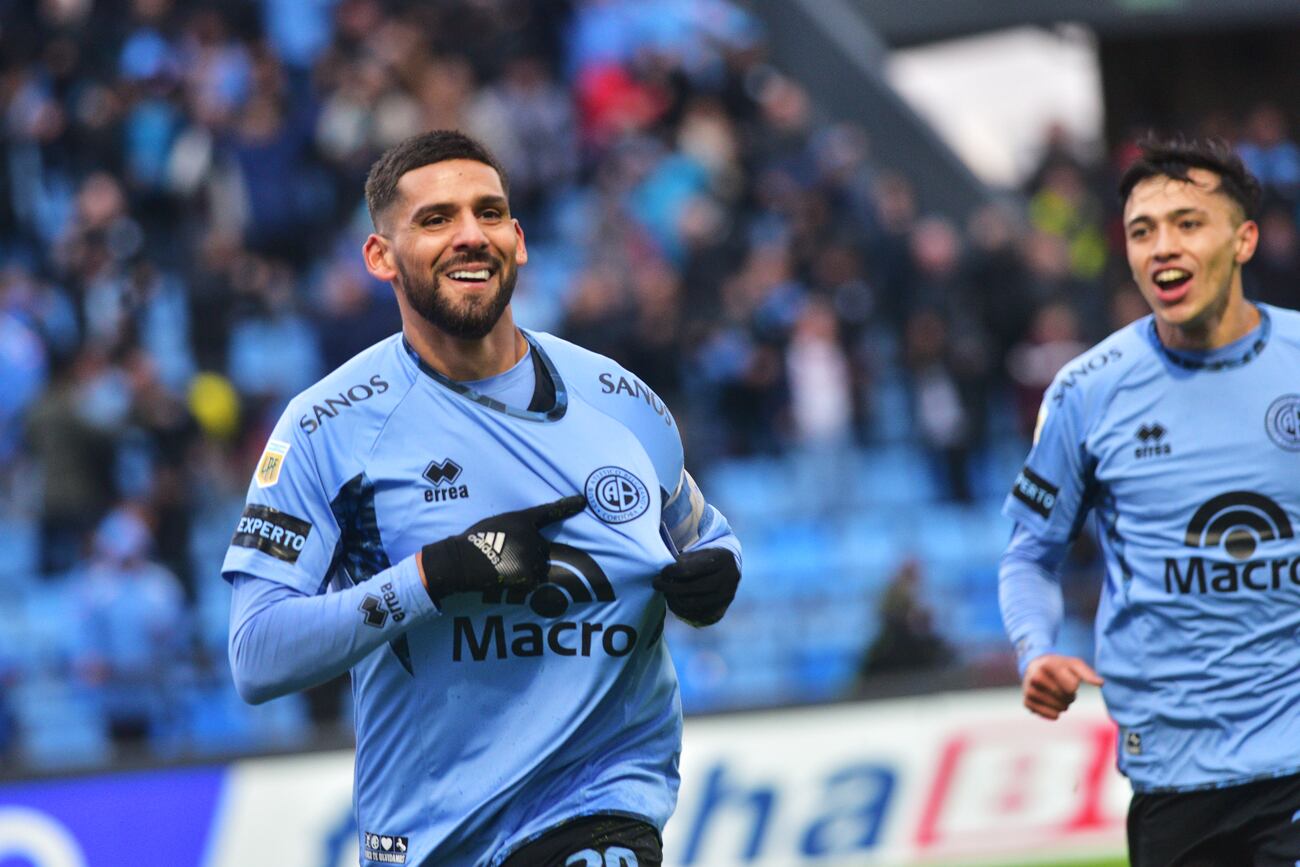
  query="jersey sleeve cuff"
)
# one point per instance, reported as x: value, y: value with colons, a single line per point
x: 406, y: 581
x: 1027, y: 651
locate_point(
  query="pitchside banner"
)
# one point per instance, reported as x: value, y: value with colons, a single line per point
x: 962, y: 779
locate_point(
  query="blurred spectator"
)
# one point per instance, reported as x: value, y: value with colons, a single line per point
x: 1064, y: 206
x: 1052, y: 341
x: 70, y: 431
x: 23, y: 369
x: 906, y: 639
x: 1270, y: 154
x: 132, y: 631
x: 1273, y: 276
x: 352, y: 315
x: 821, y: 407
x: 942, y: 414
x: 155, y: 454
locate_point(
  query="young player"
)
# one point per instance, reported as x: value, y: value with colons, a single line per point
x: 1181, y: 434
x: 484, y: 525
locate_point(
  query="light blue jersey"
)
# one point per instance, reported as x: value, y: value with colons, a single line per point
x: 483, y: 724
x: 1191, y: 465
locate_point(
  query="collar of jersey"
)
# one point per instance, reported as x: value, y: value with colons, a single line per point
x: 545, y: 371
x: 1241, y: 351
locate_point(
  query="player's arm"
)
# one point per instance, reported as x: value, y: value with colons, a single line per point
x: 1048, y: 501
x: 1029, y: 594
x: 701, y: 584
x: 283, y: 640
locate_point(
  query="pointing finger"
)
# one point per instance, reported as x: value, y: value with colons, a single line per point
x: 565, y: 507
x: 1086, y: 673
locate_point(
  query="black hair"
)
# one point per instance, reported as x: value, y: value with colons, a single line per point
x: 1176, y: 157
x: 422, y: 149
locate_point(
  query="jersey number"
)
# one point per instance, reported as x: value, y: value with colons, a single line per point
x: 615, y: 856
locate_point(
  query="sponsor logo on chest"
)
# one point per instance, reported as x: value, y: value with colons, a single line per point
x: 1244, y: 525
x: 443, y: 475
x: 1152, y: 442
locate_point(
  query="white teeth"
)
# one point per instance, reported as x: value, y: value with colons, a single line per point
x: 1171, y: 275
x: 470, y: 275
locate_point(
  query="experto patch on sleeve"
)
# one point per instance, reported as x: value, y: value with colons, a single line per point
x: 1035, y: 492
x: 272, y: 532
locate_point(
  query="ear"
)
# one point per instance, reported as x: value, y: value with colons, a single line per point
x: 378, y: 254
x: 1247, y: 241
x: 521, y: 249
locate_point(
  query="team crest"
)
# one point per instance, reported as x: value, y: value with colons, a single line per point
x: 1282, y: 421
x: 268, y: 468
x: 616, y: 496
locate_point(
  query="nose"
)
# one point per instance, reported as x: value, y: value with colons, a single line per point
x: 469, y: 234
x: 1166, y: 246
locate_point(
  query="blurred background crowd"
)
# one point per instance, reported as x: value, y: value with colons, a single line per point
x: 181, y: 216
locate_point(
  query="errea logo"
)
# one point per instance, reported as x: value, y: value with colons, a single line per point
x: 443, y: 475
x: 1151, y: 438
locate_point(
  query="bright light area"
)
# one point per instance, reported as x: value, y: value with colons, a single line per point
x: 992, y: 97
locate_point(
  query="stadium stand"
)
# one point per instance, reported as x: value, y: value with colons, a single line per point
x: 180, y: 216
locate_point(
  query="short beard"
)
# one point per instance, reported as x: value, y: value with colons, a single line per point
x: 473, y: 321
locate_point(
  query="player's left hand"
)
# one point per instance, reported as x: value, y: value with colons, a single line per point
x: 700, y: 585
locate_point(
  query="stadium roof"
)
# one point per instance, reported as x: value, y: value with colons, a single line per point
x: 909, y: 22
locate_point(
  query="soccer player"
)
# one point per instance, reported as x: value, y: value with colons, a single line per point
x: 1181, y: 434
x: 484, y: 525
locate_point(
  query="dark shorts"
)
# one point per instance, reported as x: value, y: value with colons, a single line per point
x: 1251, y: 825
x: 594, y: 841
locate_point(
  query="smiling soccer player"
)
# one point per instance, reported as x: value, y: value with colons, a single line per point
x: 1180, y: 434
x: 465, y: 518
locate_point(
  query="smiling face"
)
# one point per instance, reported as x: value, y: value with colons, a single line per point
x: 1186, y: 243
x: 450, y: 247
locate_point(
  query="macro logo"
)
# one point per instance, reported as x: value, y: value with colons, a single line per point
x: 1238, y: 524
x: 575, y: 579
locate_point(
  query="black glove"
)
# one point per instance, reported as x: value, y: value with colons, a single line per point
x: 700, y: 585
x: 505, y: 550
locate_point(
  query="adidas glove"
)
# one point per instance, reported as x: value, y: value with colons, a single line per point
x: 505, y: 550
x: 700, y: 585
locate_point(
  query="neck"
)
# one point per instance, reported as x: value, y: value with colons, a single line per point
x: 466, y: 360
x: 1221, y: 325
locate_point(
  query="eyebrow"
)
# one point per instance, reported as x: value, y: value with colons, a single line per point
x: 482, y: 202
x: 1172, y: 215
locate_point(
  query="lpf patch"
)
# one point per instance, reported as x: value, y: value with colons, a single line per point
x: 1282, y: 421
x: 268, y: 468
x: 385, y: 848
x: 616, y: 496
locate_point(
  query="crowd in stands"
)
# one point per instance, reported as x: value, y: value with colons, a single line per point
x: 181, y: 216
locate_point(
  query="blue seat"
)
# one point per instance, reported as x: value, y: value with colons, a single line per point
x: 59, y: 725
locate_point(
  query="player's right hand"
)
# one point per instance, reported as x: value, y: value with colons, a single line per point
x: 506, y: 550
x: 1051, y: 683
